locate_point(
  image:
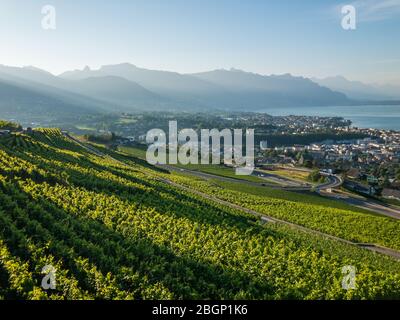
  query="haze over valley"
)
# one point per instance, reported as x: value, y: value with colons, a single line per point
x: 31, y: 92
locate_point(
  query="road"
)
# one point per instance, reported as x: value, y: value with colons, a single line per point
x: 367, y: 204
x: 286, y: 182
x: 86, y: 146
x: 334, y: 181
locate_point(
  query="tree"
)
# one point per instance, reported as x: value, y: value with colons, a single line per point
x: 315, y: 176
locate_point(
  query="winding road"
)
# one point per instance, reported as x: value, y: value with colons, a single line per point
x: 334, y: 181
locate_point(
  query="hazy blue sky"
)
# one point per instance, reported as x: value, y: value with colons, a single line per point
x: 298, y: 37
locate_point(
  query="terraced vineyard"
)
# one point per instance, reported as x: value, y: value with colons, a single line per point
x: 113, y: 229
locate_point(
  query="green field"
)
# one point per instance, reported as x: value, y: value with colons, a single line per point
x: 291, y: 174
x: 113, y: 228
x: 138, y: 152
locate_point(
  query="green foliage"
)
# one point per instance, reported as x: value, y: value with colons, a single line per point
x: 101, y: 138
x: 114, y: 229
x: 316, y: 176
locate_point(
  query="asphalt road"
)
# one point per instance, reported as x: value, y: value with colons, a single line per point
x: 333, y: 182
x: 381, y: 208
x: 283, y: 181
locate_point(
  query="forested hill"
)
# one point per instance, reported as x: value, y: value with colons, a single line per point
x: 113, y: 228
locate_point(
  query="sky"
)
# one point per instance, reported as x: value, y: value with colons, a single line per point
x: 269, y: 37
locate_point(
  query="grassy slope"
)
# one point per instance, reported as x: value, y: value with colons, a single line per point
x: 321, y: 215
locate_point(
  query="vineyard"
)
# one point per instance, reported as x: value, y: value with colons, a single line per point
x: 112, y: 228
x: 344, y: 223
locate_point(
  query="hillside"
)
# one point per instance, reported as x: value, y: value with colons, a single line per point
x: 119, y: 93
x: 28, y: 104
x: 30, y: 94
x: 117, y: 228
x: 359, y: 90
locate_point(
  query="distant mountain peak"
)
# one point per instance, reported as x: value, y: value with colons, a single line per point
x: 14, y: 70
x: 340, y: 77
x: 236, y: 70
x: 124, y: 65
x: 285, y: 76
x: 33, y: 68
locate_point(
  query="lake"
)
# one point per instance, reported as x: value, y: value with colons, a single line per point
x: 380, y: 117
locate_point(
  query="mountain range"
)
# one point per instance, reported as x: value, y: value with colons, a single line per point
x: 128, y: 88
x: 359, y: 90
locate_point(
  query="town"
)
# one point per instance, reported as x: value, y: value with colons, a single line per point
x: 370, y: 164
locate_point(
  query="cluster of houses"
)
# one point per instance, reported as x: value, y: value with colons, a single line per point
x: 305, y: 124
x: 360, y: 151
x: 355, y: 158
